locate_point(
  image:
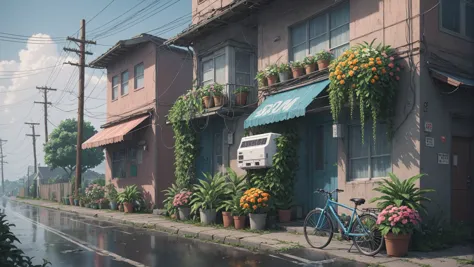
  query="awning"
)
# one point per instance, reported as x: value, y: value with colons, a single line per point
x: 113, y: 134
x: 286, y: 105
x: 454, y: 80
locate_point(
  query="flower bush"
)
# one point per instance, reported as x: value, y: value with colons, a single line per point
x: 271, y: 70
x: 296, y: 64
x: 212, y: 90
x: 254, y: 200
x: 324, y: 55
x: 398, y: 220
x: 182, y: 199
x: 309, y: 60
x: 95, y: 193
x: 368, y: 75
x: 284, y: 67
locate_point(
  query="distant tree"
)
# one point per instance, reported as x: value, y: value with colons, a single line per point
x: 60, y: 151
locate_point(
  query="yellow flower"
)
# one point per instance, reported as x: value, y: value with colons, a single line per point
x: 356, y: 53
x: 331, y: 74
x: 351, y: 73
x: 343, y: 76
x: 339, y: 77
x: 254, y: 207
x: 355, y: 68
x: 246, y: 206
x: 371, y: 59
x: 374, y: 69
x: 355, y: 61
x: 342, y: 82
x: 366, y: 65
x: 372, y: 81
x: 343, y: 64
x: 371, y: 63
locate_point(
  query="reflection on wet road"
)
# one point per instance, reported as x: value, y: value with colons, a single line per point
x: 69, y: 240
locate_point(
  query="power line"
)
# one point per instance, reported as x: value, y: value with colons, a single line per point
x: 45, y: 106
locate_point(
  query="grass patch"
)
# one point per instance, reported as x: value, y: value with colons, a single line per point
x: 462, y: 261
x: 288, y: 248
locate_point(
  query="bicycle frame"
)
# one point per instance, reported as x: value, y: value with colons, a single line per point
x: 329, y: 208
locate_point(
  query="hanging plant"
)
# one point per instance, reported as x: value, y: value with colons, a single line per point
x: 368, y: 76
x: 185, y: 146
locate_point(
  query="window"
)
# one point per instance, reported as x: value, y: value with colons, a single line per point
x: 115, y: 85
x: 139, y: 76
x: 369, y: 160
x: 124, y: 82
x: 243, y: 68
x: 118, y: 164
x: 213, y: 69
x: 326, y: 31
x: 457, y: 16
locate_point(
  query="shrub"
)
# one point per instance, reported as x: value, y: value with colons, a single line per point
x: 129, y: 195
x: 182, y: 199
x: 255, y: 200
x: 208, y: 193
x: 398, y: 220
x: 170, y: 193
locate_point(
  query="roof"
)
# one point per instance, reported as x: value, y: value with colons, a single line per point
x: 46, y: 172
x: 452, y: 79
x: 124, y: 46
x: 236, y: 11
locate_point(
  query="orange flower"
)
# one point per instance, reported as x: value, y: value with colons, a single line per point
x: 376, y: 77
x: 349, y: 62
x: 355, y: 68
x: 371, y: 63
x: 384, y: 71
x: 371, y: 59
x: 351, y: 73
x: 246, y: 206
x: 259, y: 200
x: 379, y: 62
x: 372, y: 81
x: 265, y: 199
x: 339, y: 77
x: 343, y: 76
x: 255, y: 195
x: 342, y: 82
x: 355, y: 61
x: 374, y: 69
x: 331, y: 74
x: 343, y: 64
x: 254, y: 207
x: 252, y: 200
x: 265, y: 194
x: 378, y: 59
x: 366, y: 66
x: 356, y: 53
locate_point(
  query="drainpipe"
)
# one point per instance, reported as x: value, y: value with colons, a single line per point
x: 155, y: 118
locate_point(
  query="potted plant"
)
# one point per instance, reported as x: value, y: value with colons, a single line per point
x: 255, y: 202
x: 284, y: 71
x: 103, y: 203
x: 238, y: 213
x: 272, y: 74
x: 241, y: 94
x: 323, y: 58
x: 170, y: 193
x: 297, y: 69
x: 261, y: 79
x: 207, y: 197
x: 67, y: 200
x: 181, y: 202
x: 112, y: 196
x: 234, y: 187
x: 396, y: 225
x: 309, y: 64
x: 128, y: 196
x: 283, y: 205
x: 206, y: 96
x: 76, y: 201
x: 217, y: 94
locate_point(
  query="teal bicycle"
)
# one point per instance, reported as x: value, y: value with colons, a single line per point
x: 319, y: 226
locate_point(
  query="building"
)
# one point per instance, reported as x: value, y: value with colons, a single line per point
x: 433, y: 133
x: 144, y: 77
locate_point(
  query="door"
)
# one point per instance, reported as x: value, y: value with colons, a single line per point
x: 461, y: 181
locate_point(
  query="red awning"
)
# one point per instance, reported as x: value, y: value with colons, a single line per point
x: 112, y: 134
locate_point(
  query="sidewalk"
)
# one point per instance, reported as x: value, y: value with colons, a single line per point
x: 276, y: 241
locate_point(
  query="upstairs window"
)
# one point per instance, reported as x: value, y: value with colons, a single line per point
x: 243, y: 68
x: 115, y: 87
x: 213, y: 68
x: 457, y: 17
x: 124, y: 83
x: 329, y: 30
x: 139, y: 73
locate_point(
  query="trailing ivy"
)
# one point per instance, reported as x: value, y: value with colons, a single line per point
x: 186, y: 143
x: 368, y: 76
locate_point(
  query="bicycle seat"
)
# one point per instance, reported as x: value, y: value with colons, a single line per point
x: 358, y: 201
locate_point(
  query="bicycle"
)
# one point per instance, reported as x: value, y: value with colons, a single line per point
x: 363, y: 226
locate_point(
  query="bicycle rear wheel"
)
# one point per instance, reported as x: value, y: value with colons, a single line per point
x: 318, y: 229
x: 371, y: 243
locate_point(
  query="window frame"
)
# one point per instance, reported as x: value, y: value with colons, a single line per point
x: 122, y: 160
x: 135, y: 76
x: 122, y: 82
x: 212, y: 57
x: 462, y: 25
x: 369, y: 156
x: 308, y: 40
x: 115, y: 87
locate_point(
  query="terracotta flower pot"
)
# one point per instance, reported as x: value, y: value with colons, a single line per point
x: 218, y: 101
x: 297, y: 72
x: 284, y: 216
x: 310, y: 68
x: 71, y: 201
x: 323, y: 64
x: 227, y: 218
x: 241, y: 98
x: 272, y: 79
x: 239, y: 222
x: 397, y: 245
x: 207, y: 101
x: 127, y: 207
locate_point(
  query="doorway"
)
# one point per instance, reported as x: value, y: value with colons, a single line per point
x: 462, y: 198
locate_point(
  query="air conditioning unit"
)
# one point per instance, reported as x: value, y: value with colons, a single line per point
x: 256, y: 151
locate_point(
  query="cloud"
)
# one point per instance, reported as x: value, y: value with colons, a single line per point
x: 18, y: 92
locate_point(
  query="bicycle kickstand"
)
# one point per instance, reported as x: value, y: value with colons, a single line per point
x: 349, y: 250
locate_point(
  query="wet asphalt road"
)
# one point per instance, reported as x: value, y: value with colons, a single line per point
x: 69, y: 240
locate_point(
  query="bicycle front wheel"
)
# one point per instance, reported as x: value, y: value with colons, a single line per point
x: 372, y: 240
x: 318, y: 229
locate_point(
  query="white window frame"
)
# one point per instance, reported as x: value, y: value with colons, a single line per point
x: 462, y: 23
x: 115, y: 87
x: 327, y: 33
x: 124, y: 83
x: 213, y: 56
x: 369, y: 156
x: 135, y: 76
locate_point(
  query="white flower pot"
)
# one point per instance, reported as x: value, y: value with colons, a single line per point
x: 208, y: 216
x: 258, y: 221
x: 183, y: 213
x: 284, y: 76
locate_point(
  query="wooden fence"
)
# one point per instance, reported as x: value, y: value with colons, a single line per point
x: 55, y: 191
x: 22, y: 191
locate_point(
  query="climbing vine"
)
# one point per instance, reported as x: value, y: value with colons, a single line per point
x: 279, y: 180
x: 368, y: 76
x: 186, y: 142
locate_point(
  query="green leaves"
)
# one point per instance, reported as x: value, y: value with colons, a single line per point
x: 208, y: 193
x: 129, y: 195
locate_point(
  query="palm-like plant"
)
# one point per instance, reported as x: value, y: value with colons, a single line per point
x: 129, y: 195
x: 235, y: 186
x: 401, y: 193
x: 208, y: 193
x: 169, y: 197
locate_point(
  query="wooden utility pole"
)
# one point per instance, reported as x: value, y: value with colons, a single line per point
x: 80, y: 106
x: 45, y: 103
x: 33, y: 135
x: 2, y: 161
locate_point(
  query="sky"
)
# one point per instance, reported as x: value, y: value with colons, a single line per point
x: 32, y: 37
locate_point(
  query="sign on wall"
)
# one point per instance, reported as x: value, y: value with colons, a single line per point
x: 429, y: 141
x: 443, y: 158
x: 428, y: 126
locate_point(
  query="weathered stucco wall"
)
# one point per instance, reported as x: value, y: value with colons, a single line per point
x: 202, y: 9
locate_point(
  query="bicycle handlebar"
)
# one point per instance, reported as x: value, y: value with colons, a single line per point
x: 328, y: 193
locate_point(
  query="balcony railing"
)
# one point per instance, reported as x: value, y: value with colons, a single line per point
x: 229, y: 96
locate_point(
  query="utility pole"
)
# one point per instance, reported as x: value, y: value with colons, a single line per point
x: 45, y: 103
x: 2, y: 161
x: 33, y: 135
x: 80, y: 106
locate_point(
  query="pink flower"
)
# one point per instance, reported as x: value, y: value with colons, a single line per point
x: 389, y: 207
x: 405, y: 221
x: 390, y: 219
x: 391, y: 73
x: 391, y: 65
x: 392, y: 223
x: 391, y: 58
